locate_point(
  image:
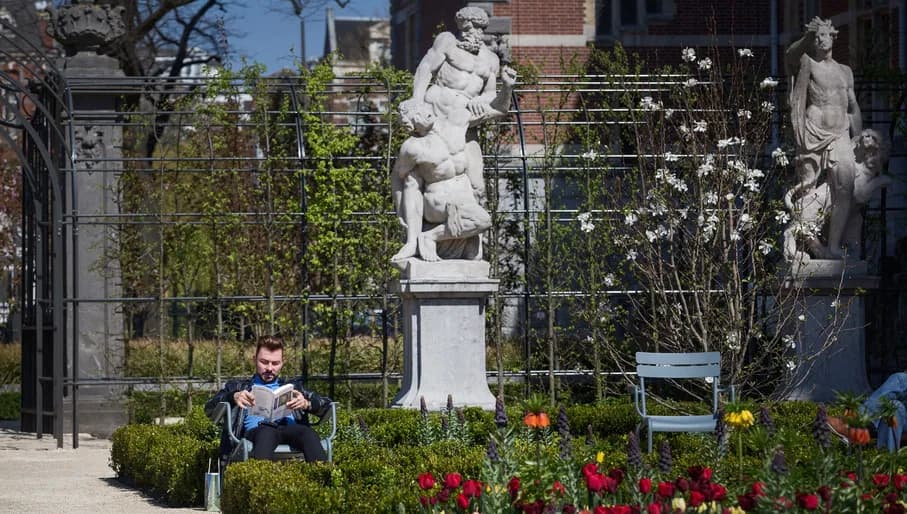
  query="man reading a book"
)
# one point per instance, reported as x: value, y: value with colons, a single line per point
x: 264, y: 433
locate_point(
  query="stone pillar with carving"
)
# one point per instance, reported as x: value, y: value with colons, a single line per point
x: 85, y: 29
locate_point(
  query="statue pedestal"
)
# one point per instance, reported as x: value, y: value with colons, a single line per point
x: 444, y: 333
x: 831, y: 352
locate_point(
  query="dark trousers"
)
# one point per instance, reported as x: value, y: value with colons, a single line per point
x: 265, y: 439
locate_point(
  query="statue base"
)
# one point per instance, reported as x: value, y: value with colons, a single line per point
x: 444, y: 333
x: 831, y: 352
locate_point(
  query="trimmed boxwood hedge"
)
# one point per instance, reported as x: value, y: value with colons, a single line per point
x: 167, y: 461
x: 378, y: 474
x: 9, y: 405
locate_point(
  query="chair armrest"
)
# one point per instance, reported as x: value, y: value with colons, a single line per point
x: 328, y: 413
x: 220, y: 410
x: 227, y: 414
x: 636, y: 392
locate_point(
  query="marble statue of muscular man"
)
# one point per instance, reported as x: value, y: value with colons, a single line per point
x: 457, y: 81
x: 825, y: 116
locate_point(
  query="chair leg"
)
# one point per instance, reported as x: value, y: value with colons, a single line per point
x: 649, y: 434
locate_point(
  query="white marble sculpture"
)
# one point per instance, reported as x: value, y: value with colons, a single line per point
x: 437, y: 181
x: 801, y: 237
x: 825, y: 203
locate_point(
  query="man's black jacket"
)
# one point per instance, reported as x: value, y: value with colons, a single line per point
x: 319, y: 404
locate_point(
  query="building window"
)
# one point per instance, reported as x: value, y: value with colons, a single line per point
x: 629, y: 14
x: 603, y: 18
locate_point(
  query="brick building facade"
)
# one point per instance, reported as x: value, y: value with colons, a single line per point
x: 541, y: 31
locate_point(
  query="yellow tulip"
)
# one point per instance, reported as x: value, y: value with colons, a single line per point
x: 599, y: 457
x: 678, y: 504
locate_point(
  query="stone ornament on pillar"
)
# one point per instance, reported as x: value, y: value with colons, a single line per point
x: 838, y: 164
x: 437, y: 182
x: 86, y: 26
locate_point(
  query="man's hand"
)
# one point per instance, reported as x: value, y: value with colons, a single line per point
x: 298, y: 402
x: 508, y: 76
x: 477, y: 107
x: 243, y: 399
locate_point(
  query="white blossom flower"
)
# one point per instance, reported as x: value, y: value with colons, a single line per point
x: 791, y: 365
x: 834, y: 304
x: 631, y: 254
x: 744, y: 114
x: 744, y: 52
x: 683, y: 213
x: 700, y: 126
x: 782, y: 217
x: 669, y: 113
x: 788, y: 340
x: 690, y: 83
x: 711, y: 198
x: 735, y: 236
x: 584, y: 222
x: 651, y: 236
x: 752, y: 186
x: 705, y: 64
x: 724, y: 143
x: 729, y: 196
x: 648, y: 104
x: 780, y: 157
x: 768, y: 82
x: 733, y: 341
x: 688, y: 54
x: 743, y: 223
x: 801, y: 318
x: 590, y: 155
x: 765, y: 246
x: 767, y: 106
x: 684, y: 129
x: 609, y: 280
x: 630, y: 219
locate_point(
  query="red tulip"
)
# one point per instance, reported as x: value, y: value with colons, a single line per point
x: 645, y: 485
x: 590, y: 468
x: 558, y: 488
x: 880, y: 479
x: 462, y: 501
x: 426, y: 481
x: 654, y: 508
x: 596, y: 482
x: 472, y: 488
x: 758, y: 488
x: 696, y: 498
x: 665, y: 489
x: 452, y: 480
x: 808, y: 501
x: 513, y: 486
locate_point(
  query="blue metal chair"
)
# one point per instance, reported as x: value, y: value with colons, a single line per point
x: 674, y: 366
x: 241, y: 447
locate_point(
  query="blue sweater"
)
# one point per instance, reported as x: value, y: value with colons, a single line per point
x: 253, y: 421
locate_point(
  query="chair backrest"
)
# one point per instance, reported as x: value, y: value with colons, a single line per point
x: 678, y: 365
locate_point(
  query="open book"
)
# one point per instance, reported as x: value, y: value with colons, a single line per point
x: 271, y: 404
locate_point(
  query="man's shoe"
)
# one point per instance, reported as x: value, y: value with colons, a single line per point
x: 839, y: 428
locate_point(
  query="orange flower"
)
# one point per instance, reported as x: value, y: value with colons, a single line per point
x: 531, y: 420
x: 536, y: 420
x: 858, y: 436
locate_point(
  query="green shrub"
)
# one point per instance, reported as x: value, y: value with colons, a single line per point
x: 169, y: 462
x: 9, y: 405
x: 10, y: 363
x: 364, y: 478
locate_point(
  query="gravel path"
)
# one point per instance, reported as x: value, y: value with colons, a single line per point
x: 38, y: 478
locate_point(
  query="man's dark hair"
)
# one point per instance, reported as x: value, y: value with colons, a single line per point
x: 272, y: 343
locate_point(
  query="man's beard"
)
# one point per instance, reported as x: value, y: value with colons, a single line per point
x: 471, y: 42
